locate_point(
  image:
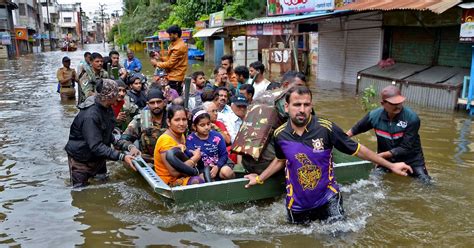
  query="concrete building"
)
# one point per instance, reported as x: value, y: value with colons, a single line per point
x: 7, y: 30
x: 50, y: 7
x: 27, y: 20
x: 69, y: 18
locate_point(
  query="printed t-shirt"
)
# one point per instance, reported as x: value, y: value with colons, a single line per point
x: 213, y: 149
x: 309, y: 169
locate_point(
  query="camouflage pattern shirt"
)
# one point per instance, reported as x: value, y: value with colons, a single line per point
x: 146, y: 137
x: 87, y: 82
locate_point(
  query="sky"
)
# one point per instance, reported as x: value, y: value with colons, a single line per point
x: 93, y: 5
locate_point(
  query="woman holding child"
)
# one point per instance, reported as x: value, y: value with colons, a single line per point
x: 174, y: 137
x: 207, y: 147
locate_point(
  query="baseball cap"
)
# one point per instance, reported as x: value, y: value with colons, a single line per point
x: 239, y: 100
x: 392, y: 95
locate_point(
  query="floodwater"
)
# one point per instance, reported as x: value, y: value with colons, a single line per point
x: 38, y: 207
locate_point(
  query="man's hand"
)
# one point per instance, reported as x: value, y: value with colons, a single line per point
x: 135, y: 152
x: 214, y: 170
x: 121, y: 117
x: 252, y: 180
x: 401, y: 169
x: 128, y: 159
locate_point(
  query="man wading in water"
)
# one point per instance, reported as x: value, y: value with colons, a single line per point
x: 303, y: 146
x: 91, y: 135
x: 396, y: 128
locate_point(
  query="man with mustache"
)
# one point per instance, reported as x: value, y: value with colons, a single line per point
x: 396, y: 128
x: 124, y: 108
x: 303, y: 146
x: 156, y: 104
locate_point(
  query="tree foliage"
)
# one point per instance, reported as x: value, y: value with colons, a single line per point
x: 144, y: 17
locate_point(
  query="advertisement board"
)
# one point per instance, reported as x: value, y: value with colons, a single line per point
x: 21, y: 33
x: 287, y: 7
x: 467, y: 26
x: 6, y: 39
x: 216, y: 19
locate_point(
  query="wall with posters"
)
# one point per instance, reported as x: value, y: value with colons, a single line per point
x: 313, y: 53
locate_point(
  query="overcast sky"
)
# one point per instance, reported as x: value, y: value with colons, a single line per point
x: 93, y: 5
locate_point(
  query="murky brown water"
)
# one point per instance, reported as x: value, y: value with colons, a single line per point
x: 38, y: 208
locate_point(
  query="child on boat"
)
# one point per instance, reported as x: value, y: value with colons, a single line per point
x: 174, y: 137
x: 212, y: 145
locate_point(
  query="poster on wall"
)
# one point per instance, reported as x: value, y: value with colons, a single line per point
x: 286, y: 7
x: 5, y: 38
x: 314, y: 47
x: 467, y: 26
x: 21, y: 33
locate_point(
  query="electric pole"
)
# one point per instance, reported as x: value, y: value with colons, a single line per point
x: 102, y: 15
x: 81, y: 23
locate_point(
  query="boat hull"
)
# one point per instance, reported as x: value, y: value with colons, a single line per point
x: 347, y: 169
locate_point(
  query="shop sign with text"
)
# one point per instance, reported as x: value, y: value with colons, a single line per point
x: 287, y: 7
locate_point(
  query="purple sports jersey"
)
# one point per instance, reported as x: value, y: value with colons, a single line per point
x: 310, y: 181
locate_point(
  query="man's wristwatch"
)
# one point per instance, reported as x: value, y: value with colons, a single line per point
x: 258, y: 180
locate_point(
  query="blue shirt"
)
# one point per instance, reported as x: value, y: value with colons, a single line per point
x: 134, y: 65
x: 213, y: 149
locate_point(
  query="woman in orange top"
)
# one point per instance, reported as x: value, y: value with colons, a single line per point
x: 174, y: 137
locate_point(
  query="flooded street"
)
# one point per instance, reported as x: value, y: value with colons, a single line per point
x: 38, y: 207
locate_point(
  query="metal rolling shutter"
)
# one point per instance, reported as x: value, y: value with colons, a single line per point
x: 331, y: 59
x: 363, y: 49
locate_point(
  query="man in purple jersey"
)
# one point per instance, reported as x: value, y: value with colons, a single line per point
x: 303, y: 146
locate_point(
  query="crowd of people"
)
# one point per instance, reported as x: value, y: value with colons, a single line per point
x: 238, y: 116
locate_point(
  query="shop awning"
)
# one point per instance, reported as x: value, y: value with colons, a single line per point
x: 436, y: 6
x: 207, y: 32
x: 288, y: 18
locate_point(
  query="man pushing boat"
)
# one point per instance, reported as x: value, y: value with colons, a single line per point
x: 303, y: 146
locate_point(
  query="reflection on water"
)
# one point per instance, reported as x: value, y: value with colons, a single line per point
x: 38, y: 208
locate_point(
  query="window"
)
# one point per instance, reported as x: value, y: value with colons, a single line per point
x: 67, y: 19
x: 22, y: 9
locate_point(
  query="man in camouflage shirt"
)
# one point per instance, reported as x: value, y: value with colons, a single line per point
x: 89, y: 76
x: 147, y: 137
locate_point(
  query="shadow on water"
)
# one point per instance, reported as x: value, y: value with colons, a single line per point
x: 38, y: 208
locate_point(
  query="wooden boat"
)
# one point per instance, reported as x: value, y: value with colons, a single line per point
x: 347, y: 169
x: 68, y: 48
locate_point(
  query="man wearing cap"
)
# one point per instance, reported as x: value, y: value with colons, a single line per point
x: 66, y: 77
x: 234, y: 119
x: 396, y: 128
x: 90, y: 136
x: 176, y: 63
x: 156, y: 104
x: 124, y: 108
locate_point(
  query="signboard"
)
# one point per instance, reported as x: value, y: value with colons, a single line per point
x: 21, y: 34
x: 163, y: 36
x: 467, y: 26
x: 216, y: 19
x: 6, y: 39
x: 270, y: 29
x: 198, y: 25
x: 286, y: 7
